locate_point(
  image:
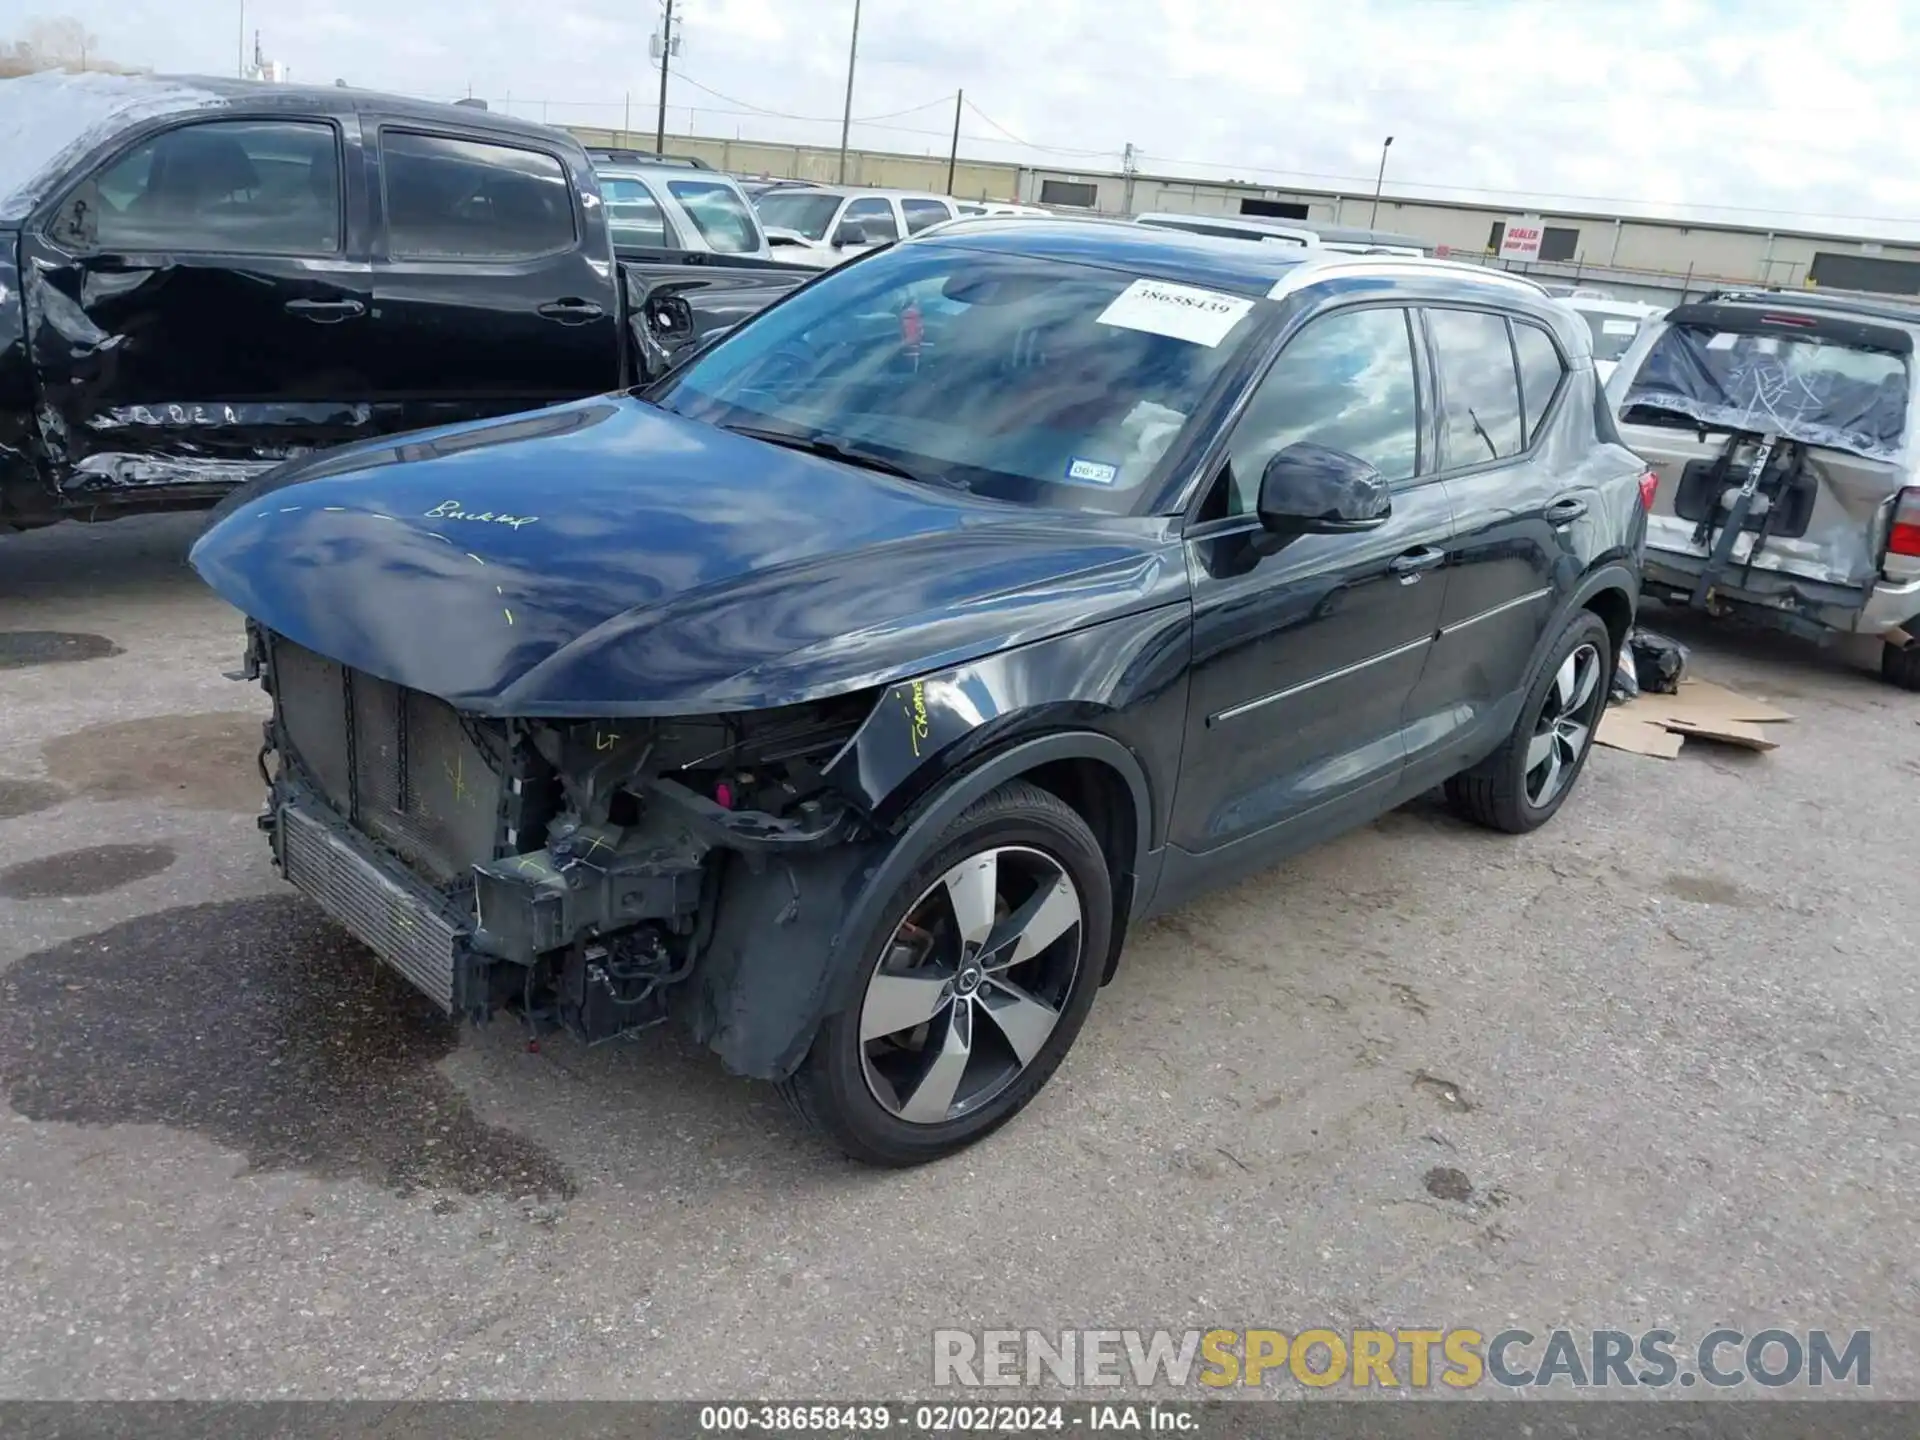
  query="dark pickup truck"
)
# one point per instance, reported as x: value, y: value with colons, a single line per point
x: 202, y: 278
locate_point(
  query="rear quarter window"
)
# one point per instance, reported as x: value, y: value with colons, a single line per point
x: 1542, y: 371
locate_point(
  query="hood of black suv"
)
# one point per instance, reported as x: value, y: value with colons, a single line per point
x: 607, y: 558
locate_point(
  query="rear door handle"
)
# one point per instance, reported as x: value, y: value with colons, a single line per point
x: 1416, y: 562
x: 570, y: 311
x: 1566, y: 511
x: 325, y: 312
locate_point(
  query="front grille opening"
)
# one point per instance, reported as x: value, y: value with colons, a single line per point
x: 402, y: 766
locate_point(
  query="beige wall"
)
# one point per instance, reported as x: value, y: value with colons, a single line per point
x: 972, y: 179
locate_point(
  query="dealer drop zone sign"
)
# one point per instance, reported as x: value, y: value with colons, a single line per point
x: 1521, y: 239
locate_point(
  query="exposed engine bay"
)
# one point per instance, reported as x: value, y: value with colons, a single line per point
x: 567, y: 871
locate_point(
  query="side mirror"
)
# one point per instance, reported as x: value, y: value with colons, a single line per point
x: 849, y: 232
x: 1309, y: 489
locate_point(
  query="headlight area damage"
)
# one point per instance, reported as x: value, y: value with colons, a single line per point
x: 595, y: 875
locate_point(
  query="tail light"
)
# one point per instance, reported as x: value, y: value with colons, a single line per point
x: 1904, y: 538
x: 1649, y: 483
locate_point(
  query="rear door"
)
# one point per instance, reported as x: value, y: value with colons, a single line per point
x: 1521, y: 504
x: 493, y: 285
x: 198, y: 304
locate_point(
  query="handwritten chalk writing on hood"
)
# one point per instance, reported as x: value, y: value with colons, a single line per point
x: 451, y: 510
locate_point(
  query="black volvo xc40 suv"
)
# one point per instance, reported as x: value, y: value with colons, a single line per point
x: 848, y: 693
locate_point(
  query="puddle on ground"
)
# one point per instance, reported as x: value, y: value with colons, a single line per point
x: 1706, y: 890
x: 261, y: 1026
x: 20, y: 649
x: 205, y: 762
x: 92, y: 871
x: 27, y: 797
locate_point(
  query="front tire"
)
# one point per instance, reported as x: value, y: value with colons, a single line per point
x: 983, y: 969
x: 1523, y: 784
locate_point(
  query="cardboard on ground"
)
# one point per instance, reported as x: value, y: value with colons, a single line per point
x: 1659, y: 724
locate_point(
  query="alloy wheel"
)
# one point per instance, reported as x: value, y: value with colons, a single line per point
x: 1565, y: 727
x: 970, y: 984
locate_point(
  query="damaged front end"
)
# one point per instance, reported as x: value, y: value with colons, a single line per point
x: 569, y: 871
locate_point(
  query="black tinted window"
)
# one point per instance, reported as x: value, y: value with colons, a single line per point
x: 922, y: 213
x: 1480, y: 416
x: 1346, y: 382
x: 633, y: 215
x: 246, y: 186
x: 719, y: 213
x: 1541, y: 369
x: 471, y: 200
x: 877, y: 216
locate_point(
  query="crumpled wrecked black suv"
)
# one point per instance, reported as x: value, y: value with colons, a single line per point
x: 849, y: 694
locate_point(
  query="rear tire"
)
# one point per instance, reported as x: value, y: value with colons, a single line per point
x: 1523, y: 784
x: 1900, y: 664
x: 988, y: 956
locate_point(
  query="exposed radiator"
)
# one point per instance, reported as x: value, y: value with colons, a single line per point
x: 399, y: 764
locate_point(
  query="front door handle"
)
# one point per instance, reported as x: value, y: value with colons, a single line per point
x: 1566, y: 510
x: 325, y: 312
x: 1416, y: 562
x: 570, y: 311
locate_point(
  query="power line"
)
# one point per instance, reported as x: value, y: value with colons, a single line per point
x: 754, y: 109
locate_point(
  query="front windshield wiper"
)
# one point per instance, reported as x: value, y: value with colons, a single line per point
x: 827, y: 446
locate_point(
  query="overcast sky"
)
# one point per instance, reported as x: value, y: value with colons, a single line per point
x: 1742, y: 111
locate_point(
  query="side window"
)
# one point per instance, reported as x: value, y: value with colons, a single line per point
x: 719, y: 213
x: 1480, y: 394
x: 922, y: 213
x: 1541, y: 371
x: 1345, y: 381
x: 633, y: 215
x: 451, y: 199
x: 249, y: 187
x: 876, y: 213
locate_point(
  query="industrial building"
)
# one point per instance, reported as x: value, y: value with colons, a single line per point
x: 1660, y: 260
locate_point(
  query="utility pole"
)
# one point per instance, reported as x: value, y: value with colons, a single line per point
x: 666, y: 54
x: 846, y: 117
x: 240, y: 50
x: 1129, y: 164
x: 626, y: 121
x: 953, y: 155
x: 1378, y: 181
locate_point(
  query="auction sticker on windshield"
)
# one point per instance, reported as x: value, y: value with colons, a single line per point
x: 1182, y: 312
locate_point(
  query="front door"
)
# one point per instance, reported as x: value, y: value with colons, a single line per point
x: 489, y: 296
x: 198, y: 307
x: 1304, y: 658
x: 1522, y: 506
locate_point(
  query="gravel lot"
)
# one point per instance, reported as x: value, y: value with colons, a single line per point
x: 1668, y: 1044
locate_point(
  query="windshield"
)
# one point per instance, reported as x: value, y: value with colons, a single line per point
x: 808, y: 212
x: 1045, y: 382
x: 1612, y: 334
x: 720, y: 215
x: 1841, y: 396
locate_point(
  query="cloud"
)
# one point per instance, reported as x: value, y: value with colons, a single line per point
x: 1748, y: 111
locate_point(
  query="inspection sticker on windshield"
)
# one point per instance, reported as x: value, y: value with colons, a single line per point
x: 1182, y: 312
x: 1092, y: 472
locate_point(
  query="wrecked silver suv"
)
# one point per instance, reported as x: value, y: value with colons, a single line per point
x: 1789, y: 487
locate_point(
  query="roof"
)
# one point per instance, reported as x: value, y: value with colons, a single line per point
x: 51, y: 120
x: 1209, y: 260
x: 1822, y: 302
x: 1607, y: 305
x: 857, y: 191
